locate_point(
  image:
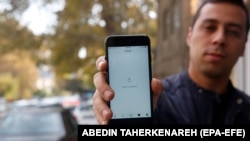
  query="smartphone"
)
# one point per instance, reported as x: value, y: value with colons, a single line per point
x: 129, y: 75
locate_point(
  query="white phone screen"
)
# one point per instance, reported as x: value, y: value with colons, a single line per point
x: 129, y: 77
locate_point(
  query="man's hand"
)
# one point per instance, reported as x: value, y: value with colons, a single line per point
x: 103, y: 93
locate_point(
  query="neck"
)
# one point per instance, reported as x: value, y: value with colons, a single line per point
x: 218, y: 85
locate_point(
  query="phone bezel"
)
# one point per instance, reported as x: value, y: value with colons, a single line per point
x: 131, y: 40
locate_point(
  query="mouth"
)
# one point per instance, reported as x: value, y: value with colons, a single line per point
x: 213, y: 56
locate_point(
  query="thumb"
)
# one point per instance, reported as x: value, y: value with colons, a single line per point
x: 157, y: 89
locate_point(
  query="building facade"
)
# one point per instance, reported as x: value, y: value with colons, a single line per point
x: 174, y: 18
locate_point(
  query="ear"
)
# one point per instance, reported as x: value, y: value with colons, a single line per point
x: 244, y: 47
x: 189, y: 35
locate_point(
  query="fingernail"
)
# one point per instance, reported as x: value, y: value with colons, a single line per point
x: 100, y: 64
x: 104, y: 123
x: 107, y: 94
x: 104, y: 114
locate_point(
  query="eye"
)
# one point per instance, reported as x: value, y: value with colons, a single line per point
x: 210, y: 28
x: 233, y: 32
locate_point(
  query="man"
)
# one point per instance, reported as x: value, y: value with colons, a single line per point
x: 204, y: 94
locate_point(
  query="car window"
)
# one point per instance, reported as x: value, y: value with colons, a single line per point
x: 31, y: 123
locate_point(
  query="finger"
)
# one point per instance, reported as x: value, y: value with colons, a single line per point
x: 102, y: 86
x: 157, y: 86
x: 101, y: 110
x: 101, y: 63
x: 157, y: 89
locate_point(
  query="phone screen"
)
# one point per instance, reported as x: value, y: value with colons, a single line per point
x: 130, y: 78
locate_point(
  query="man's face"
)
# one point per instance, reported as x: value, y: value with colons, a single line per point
x: 217, y: 39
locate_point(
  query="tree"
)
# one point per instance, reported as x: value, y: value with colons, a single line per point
x: 8, y: 86
x: 18, y: 53
x: 82, y: 24
x: 87, y: 23
x: 13, y: 35
x: 20, y: 74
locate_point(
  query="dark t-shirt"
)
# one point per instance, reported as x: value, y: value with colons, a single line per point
x: 220, y: 108
x: 183, y: 102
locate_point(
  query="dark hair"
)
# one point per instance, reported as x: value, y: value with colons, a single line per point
x: 239, y: 3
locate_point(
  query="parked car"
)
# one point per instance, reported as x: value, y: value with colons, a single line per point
x: 38, y: 124
x: 84, y: 113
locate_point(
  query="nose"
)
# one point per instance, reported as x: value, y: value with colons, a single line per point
x: 219, y: 37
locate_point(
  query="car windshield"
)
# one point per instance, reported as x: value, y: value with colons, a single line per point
x: 35, y: 123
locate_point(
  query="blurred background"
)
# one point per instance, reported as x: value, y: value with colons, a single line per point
x: 48, y: 48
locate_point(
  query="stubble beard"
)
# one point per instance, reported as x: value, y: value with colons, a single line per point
x: 213, y: 71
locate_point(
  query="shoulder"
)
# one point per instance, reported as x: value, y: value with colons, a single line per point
x: 244, y: 96
x: 176, y: 82
x: 177, y: 87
